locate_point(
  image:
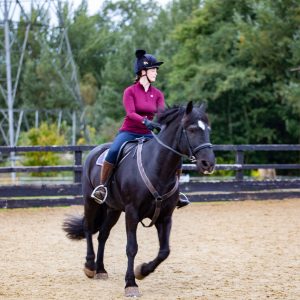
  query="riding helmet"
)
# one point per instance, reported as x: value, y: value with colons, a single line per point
x: 145, y: 61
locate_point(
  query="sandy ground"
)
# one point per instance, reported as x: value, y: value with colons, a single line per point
x: 228, y: 250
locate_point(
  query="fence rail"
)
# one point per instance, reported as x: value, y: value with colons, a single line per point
x: 12, y: 196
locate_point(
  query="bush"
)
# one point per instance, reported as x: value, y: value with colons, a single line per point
x: 45, y: 135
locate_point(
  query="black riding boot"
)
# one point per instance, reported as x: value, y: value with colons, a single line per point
x: 99, y: 194
x: 182, y: 199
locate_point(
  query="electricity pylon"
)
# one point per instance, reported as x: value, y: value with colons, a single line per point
x: 10, y: 13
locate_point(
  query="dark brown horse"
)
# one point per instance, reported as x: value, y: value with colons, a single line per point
x: 144, y: 185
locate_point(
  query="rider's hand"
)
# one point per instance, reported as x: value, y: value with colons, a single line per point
x: 151, y: 125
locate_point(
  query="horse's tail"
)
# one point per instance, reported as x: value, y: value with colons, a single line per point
x: 73, y: 226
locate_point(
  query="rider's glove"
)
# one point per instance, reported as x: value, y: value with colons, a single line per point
x: 151, y: 125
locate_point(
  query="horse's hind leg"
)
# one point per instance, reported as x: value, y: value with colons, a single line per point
x: 89, y: 266
x: 163, y: 229
x: 92, y: 217
x: 111, y: 219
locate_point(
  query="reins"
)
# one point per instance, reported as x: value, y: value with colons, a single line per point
x: 158, y: 198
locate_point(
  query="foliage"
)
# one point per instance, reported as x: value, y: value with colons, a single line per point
x: 45, y: 135
x: 228, y: 57
x: 41, y: 88
x: 236, y: 55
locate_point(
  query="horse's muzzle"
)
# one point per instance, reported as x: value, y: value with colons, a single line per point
x: 209, y: 172
x: 206, y: 166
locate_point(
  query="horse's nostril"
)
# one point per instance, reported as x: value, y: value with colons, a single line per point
x: 205, y: 163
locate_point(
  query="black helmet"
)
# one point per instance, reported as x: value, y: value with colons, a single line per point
x: 145, y: 61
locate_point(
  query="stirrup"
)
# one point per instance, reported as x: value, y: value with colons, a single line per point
x: 97, y: 198
x: 182, y: 200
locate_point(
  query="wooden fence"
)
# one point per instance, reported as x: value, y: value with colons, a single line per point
x: 17, y: 196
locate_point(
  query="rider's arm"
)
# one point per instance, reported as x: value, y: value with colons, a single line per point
x: 160, y: 102
x: 128, y: 102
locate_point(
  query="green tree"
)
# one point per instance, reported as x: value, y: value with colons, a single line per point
x: 91, y: 40
x: 234, y: 54
x: 229, y: 58
x: 42, y: 88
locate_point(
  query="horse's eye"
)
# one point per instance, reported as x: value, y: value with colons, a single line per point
x: 192, y: 128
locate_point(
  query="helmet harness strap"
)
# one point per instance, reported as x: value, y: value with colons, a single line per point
x: 146, y: 75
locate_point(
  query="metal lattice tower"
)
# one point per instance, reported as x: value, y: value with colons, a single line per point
x: 10, y: 13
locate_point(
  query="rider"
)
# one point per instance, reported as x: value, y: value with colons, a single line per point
x: 141, y: 101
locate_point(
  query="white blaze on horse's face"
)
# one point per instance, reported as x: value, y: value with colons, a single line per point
x: 201, y: 124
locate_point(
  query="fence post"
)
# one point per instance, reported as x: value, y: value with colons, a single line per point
x: 239, y: 159
x: 78, y: 162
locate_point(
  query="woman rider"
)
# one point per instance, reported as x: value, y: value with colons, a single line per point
x: 141, y: 101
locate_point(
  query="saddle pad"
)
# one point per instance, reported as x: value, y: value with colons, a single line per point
x: 101, y: 158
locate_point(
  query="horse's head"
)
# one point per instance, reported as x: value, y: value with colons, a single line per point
x: 189, y: 125
x: 196, y: 140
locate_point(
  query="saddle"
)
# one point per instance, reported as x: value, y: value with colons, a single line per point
x: 125, y: 150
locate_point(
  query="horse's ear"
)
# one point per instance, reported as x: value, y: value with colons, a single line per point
x: 189, y: 108
x: 203, y: 106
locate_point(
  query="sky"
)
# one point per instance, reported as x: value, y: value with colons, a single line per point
x: 94, y: 5
x: 14, y: 9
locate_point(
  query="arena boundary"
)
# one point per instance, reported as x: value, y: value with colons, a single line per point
x: 37, y: 195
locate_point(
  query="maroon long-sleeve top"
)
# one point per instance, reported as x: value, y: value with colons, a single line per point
x: 140, y: 104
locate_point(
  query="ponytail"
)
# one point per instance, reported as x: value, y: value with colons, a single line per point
x: 137, y: 77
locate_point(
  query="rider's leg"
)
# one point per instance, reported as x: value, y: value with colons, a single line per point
x: 100, y: 192
x: 182, y: 199
x: 106, y: 171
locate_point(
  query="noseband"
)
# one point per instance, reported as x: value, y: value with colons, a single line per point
x: 192, y: 151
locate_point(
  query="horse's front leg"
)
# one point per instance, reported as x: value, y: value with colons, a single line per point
x: 110, y: 220
x: 163, y: 230
x: 132, y: 220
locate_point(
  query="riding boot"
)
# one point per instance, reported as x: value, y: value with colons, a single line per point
x: 99, y: 194
x: 182, y: 198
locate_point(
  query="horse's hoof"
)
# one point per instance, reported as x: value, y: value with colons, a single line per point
x: 138, y: 272
x: 132, y: 291
x: 89, y: 273
x: 101, y: 276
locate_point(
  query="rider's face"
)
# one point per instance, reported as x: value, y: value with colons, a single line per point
x: 151, y: 74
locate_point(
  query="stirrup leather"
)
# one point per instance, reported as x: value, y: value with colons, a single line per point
x: 97, y: 198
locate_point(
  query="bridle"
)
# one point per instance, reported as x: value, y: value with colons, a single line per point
x: 157, y: 197
x: 192, y: 151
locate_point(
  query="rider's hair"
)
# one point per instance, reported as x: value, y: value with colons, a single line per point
x: 137, y: 77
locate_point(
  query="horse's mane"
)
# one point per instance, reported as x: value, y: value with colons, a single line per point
x: 171, y: 113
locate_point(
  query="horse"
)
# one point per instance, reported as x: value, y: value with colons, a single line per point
x: 143, y: 185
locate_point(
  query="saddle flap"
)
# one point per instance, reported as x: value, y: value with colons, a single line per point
x: 101, y: 158
x: 124, y: 150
